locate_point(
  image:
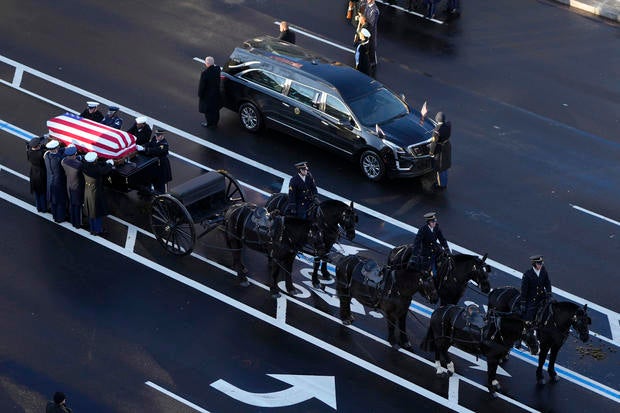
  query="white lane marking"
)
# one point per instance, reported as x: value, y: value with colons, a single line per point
x: 17, y: 76
x: 612, y: 315
x: 453, y: 389
x: 409, y: 11
x: 594, y: 214
x: 315, y: 37
x: 302, y: 335
x: 175, y: 397
x: 140, y: 259
x: 130, y: 241
x: 281, y: 309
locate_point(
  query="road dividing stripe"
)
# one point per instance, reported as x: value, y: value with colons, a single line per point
x: 175, y: 397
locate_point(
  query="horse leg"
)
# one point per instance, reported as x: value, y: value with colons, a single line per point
x: 288, y: 274
x: 324, y: 272
x: 442, y: 359
x: 492, y: 382
x: 553, y: 376
x: 542, y: 356
x: 345, y: 310
x: 273, y: 271
x: 315, y: 271
x: 237, y: 261
x: 402, y: 326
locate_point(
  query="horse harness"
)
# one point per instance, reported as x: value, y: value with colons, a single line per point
x: 474, y: 324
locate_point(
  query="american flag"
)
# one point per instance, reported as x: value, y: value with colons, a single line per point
x: 88, y: 136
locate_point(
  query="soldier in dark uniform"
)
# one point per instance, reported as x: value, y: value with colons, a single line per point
x: 302, y: 191
x: 535, y: 288
x: 286, y: 34
x: 426, y: 242
x: 209, y: 93
x: 441, y: 149
x: 57, y: 194
x: 362, y: 57
x: 58, y: 404
x: 94, y: 196
x: 91, y: 112
x: 112, y: 119
x: 38, y: 173
x: 75, y: 185
x: 141, y: 131
x: 158, y: 147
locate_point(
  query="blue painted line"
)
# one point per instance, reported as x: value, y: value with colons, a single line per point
x: 15, y: 131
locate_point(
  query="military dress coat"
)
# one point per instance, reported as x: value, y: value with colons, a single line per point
x: 58, y: 180
x: 288, y: 36
x: 96, y: 116
x: 160, y: 150
x: 534, y: 290
x: 426, y: 240
x: 143, y: 135
x: 94, y: 197
x: 209, y: 90
x: 112, y: 121
x: 441, y: 147
x: 75, y: 180
x: 38, y: 172
x: 301, y: 195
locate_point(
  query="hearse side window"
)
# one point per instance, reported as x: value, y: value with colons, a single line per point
x: 269, y: 80
x: 304, y: 94
x: 334, y: 107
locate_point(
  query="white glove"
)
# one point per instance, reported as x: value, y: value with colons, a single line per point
x: 110, y: 162
x: 140, y: 148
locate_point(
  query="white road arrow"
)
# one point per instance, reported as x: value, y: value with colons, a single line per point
x: 479, y: 364
x: 347, y: 249
x: 302, y: 388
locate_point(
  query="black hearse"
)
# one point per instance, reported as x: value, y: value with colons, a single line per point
x: 279, y: 85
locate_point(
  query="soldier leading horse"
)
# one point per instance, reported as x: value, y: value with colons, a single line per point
x: 390, y: 289
x: 329, y: 217
x: 552, y: 324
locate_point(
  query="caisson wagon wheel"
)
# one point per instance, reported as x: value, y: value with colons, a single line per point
x: 233, y: 192
x: 172, y: 225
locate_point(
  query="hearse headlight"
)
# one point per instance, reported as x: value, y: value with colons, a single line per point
x: 397, y: 149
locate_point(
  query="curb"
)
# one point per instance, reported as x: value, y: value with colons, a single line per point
x: 600, y: 9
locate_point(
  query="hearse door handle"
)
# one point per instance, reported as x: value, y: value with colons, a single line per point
x: 325, y: 123
x: 286, y: 104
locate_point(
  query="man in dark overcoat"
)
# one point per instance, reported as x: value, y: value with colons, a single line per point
x: 371, y: 12
x: 95, y: 173
x: 57, y: 194
x: 75, y: 185
x: 158, y: 147
x: 58, y: 404
x: 302, y: 191
x: 209, y: 93
x: 535, y: 288
x: 38, y: 173
x: 92, y: 112
x: 426, y: 242
x: 141, y: 130
x: 441, y: 149
x: 286, y: 34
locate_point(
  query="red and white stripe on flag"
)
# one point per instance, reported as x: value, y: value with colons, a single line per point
x: 88, y: 136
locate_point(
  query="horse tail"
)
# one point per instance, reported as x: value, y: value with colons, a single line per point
x: 428, y: 343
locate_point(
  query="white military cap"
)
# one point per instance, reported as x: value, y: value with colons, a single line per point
x: 92, y: 104
x: 90, y: 157
x: 141, y: 119
x: 53, y: 144
x: 365, y: 32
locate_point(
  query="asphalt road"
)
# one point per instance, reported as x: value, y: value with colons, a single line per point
x: 532, y: 91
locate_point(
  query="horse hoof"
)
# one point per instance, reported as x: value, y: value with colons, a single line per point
x: 407, y: 345
x: 443, y: 375
x: 275, y: 295
x: 294, y: 291
x: 326, y: 277
x: 540, y: 382
x: 244, y: 283
x: 493, y: 395
x: 316, y: 286
x: 554, y: 379
x: 347, y: 321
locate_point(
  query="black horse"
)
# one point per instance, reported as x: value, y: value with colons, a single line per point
x: 552, y: 324
x: 466, y: 329
x: 329, y: 217
x: 281, y: 238
x: 390, y: 289
x: 454, y: 271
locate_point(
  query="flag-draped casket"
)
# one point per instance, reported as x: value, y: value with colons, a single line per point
x: 88, y: 135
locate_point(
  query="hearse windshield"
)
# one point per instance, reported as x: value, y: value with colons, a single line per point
x: 377, y: 107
